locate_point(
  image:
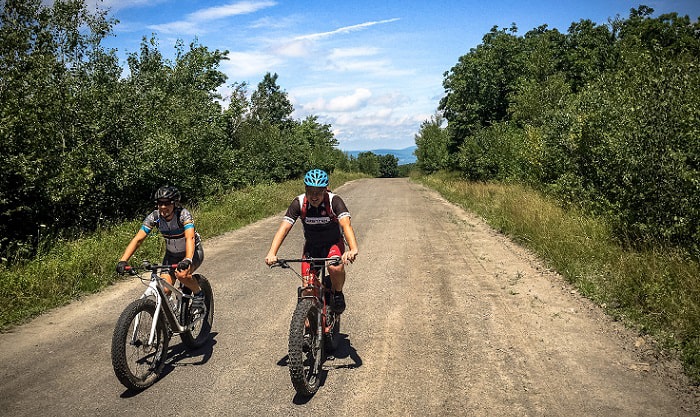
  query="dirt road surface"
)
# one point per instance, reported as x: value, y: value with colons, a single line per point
x: 445, y: 317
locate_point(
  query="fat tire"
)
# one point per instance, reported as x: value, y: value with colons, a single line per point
x: 306, y: 377
x: 198, y: 337
x: 134, y: 367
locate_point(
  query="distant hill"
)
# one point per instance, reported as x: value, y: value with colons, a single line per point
x: 405, y: 156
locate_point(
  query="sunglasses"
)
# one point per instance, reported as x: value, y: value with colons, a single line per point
x: 163, y: 202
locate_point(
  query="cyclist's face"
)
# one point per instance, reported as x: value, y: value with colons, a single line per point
x: 165, y: 208
x: 315, y: 195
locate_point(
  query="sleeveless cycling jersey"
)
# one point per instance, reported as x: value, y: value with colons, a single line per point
x: 321, y: 226
x: 173, y: 231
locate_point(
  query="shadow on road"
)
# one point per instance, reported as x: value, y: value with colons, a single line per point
x: 178, y: 355
x: 344, y: 350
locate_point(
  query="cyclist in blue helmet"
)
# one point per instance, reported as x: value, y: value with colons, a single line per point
x: 316, y: 178
x: 327, y: 230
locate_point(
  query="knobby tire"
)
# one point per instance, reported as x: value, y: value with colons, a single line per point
x: 137, y: 365
x: 305, y: 362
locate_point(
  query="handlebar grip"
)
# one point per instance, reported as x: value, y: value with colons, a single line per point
x: 130, y: 270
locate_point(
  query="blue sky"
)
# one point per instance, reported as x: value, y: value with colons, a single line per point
x: 371, y: 69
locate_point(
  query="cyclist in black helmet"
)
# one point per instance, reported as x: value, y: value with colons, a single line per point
x: 183, y: 245
x: 327, y: 228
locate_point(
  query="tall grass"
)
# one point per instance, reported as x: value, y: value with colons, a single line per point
x: 71, y: 269
x: 656, y: 291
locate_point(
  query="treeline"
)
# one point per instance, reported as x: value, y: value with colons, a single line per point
x: 604, y: 116
x: 381, y: 166
x: 86, y: 142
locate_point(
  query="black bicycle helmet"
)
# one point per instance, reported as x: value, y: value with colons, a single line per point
x: 316, y: 178
x: 168, y: 192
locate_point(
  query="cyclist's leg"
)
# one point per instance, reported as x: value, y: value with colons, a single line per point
x: 169, y: 277
x: 305, y: 266
x: 187, y: 280
x: 306, y: 270
x: 337, y: 272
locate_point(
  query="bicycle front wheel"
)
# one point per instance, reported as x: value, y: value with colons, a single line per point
x: 138, y: 364
x: 306, y: 353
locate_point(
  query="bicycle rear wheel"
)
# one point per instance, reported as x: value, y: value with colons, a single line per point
x: 306, y: 352
x: 137, y: 364
x: 199, y: 334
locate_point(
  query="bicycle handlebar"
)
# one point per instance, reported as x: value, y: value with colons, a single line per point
x: 147, y: 266
x: 282, y: 263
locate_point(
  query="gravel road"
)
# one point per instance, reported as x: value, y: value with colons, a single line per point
x: 444, y: 317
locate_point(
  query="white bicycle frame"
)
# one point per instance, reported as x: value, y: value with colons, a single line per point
x: 156, y: 289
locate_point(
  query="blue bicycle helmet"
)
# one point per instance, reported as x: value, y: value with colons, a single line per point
x: 316, y: 178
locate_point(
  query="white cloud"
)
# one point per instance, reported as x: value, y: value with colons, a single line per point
x: 343, y: 30
x: 353, y: 102
x: 294, y: 49
x: 194, y: 23
x: 304, y: 45
x: 234, y: 9
x: 351, y: 60
x: 247, y: 64
x: 274, y: 23
x: 392, y: 99
x: 182, y: 26
x: 375, y: 129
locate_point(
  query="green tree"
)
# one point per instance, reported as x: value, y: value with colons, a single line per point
x: 432, y: 141
x: 368, y: 163
x: 589, y: 50
x: 236, y: 113
x: 269, y: 154
x: 51, y: 65
x: 269, y: 103
x: 477, y: 89
x: 321, y: 141
x: 388, y: 166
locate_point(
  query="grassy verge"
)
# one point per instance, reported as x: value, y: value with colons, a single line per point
x: 656, y: 291
x: 84, y: 266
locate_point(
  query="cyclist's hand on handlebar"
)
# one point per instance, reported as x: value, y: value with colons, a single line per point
x: 184, y: 264
x: 271, y: 260
x: 121, y: 267
x: 349, y: 256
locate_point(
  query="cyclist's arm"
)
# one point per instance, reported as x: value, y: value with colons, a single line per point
x: 189, y: 252
x: 189, y: 242
x: 349, y: 233
x: 281, y: 234
x: 134, y: 244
